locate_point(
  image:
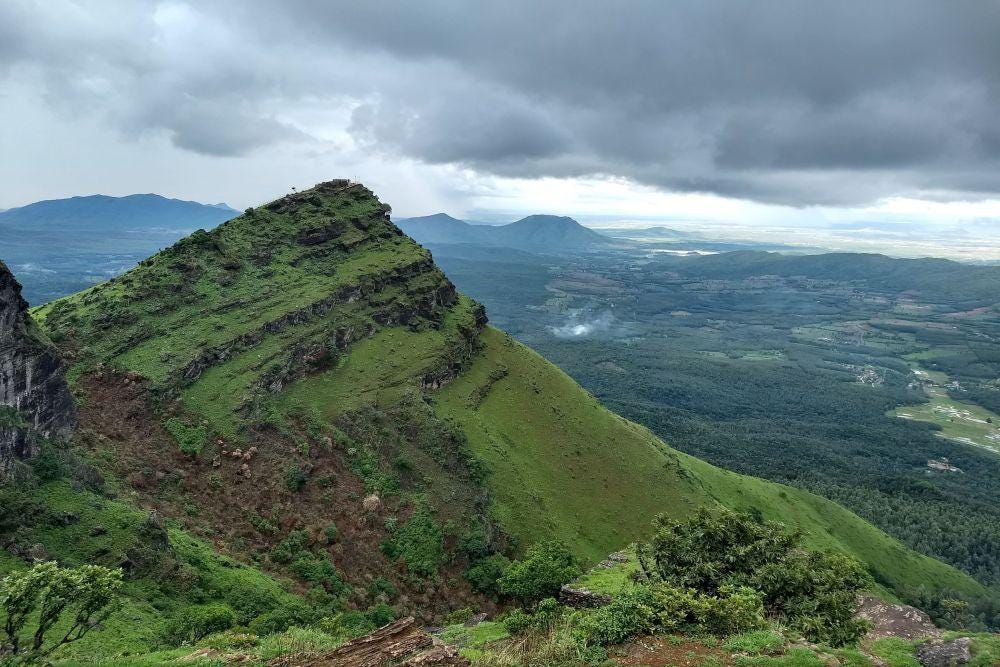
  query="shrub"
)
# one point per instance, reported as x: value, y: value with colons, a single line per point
x: 190, y: 439
x: 331, y: 532
x: 232, y: 641
x: 290, y: 548
x: 544, y: 617
x: 356, y: 623
x: 517, y: 621
x: 280, y: 619
x: 485, y: 573
x: 542, y: 572
x: 318, y: 570
x: 295, y: 640
x: 631, y: 613
x: 382, y: 586
x: 197, y: 621
x: 733, y: 611
x: 419, y: 543
x: 380, y: 614
x: 734, y: 560
x: 48, y: 464
x: 249, y: 602
x: 296, y: 478
x: 675, y: 607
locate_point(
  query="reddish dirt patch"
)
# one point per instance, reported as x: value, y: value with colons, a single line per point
x: 662, y: 652
x: 220, y: 497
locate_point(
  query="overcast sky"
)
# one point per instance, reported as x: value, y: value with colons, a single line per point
x: 755, y: 110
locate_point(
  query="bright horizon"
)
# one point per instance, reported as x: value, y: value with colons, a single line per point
x: 681, y: 114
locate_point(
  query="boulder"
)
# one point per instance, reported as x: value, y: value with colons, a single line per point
x: 938, y: 653
x: 894, y: 620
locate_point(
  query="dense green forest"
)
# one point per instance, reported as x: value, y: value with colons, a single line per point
x: 784, y: 367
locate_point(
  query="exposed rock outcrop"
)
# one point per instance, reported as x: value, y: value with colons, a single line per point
x: 582, y: 598
x: 400, y: 644
x: 35, y: 401
x: 937, y: 653
x: 895, y: 620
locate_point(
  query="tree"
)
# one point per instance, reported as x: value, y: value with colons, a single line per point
x: 47, y: 594
x: 545, y: 568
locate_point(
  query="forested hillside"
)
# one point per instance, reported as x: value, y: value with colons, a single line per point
x: 793, y: 368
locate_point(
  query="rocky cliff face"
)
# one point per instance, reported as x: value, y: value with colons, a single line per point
x: 34, y: 399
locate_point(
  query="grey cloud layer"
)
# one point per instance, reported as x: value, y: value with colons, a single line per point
x: 794, y: 102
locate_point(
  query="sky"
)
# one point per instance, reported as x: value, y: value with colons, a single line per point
x: 785, y: 112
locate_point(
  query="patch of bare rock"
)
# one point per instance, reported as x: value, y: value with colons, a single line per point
x: 400, y: 644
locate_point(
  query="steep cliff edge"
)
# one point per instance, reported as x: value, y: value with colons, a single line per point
x: 34, y: 399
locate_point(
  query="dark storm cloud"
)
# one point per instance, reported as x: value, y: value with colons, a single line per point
x: 793, y: 102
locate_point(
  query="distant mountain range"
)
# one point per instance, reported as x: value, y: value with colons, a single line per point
x: 61, y: 246
x: 536, y: 233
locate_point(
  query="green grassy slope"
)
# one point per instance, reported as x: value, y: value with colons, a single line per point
x: 561, y: 465
x: 564, y: 466
x: 167, y: 568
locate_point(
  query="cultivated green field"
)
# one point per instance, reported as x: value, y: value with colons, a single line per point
x: 967, y: 423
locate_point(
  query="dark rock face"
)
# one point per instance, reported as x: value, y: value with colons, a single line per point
x: 35, y: 401
x: 582, y: 598
x: 936, y: 653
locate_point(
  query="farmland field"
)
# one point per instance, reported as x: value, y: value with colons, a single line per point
x: 966, y: 423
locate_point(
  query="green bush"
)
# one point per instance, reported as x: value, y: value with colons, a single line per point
x: 190, y: 439
x: 517, y: 621
x: 356, y: 623
x: 290, y: 548
x: 331, y: 532
x: 197, y: 621
x: 545, y: 615
x: 734, y: 610
x: 419, y: 543
x: 676, y: 608
x: 542, y: 572
x: 380, y: 614
x: 48, y: 465
x: 485, y: 573
x: 249, y: 602
x: 296, y: 478
x: 382, y: 586
x: 318, y: 570
x: 738, y: 568
x: 631, y: 613
x: 280, y: 619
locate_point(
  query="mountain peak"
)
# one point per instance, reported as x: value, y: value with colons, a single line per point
x: 534, y: 233
x: 544, y: 219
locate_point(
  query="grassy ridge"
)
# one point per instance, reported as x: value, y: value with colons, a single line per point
x: 563, y: 466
